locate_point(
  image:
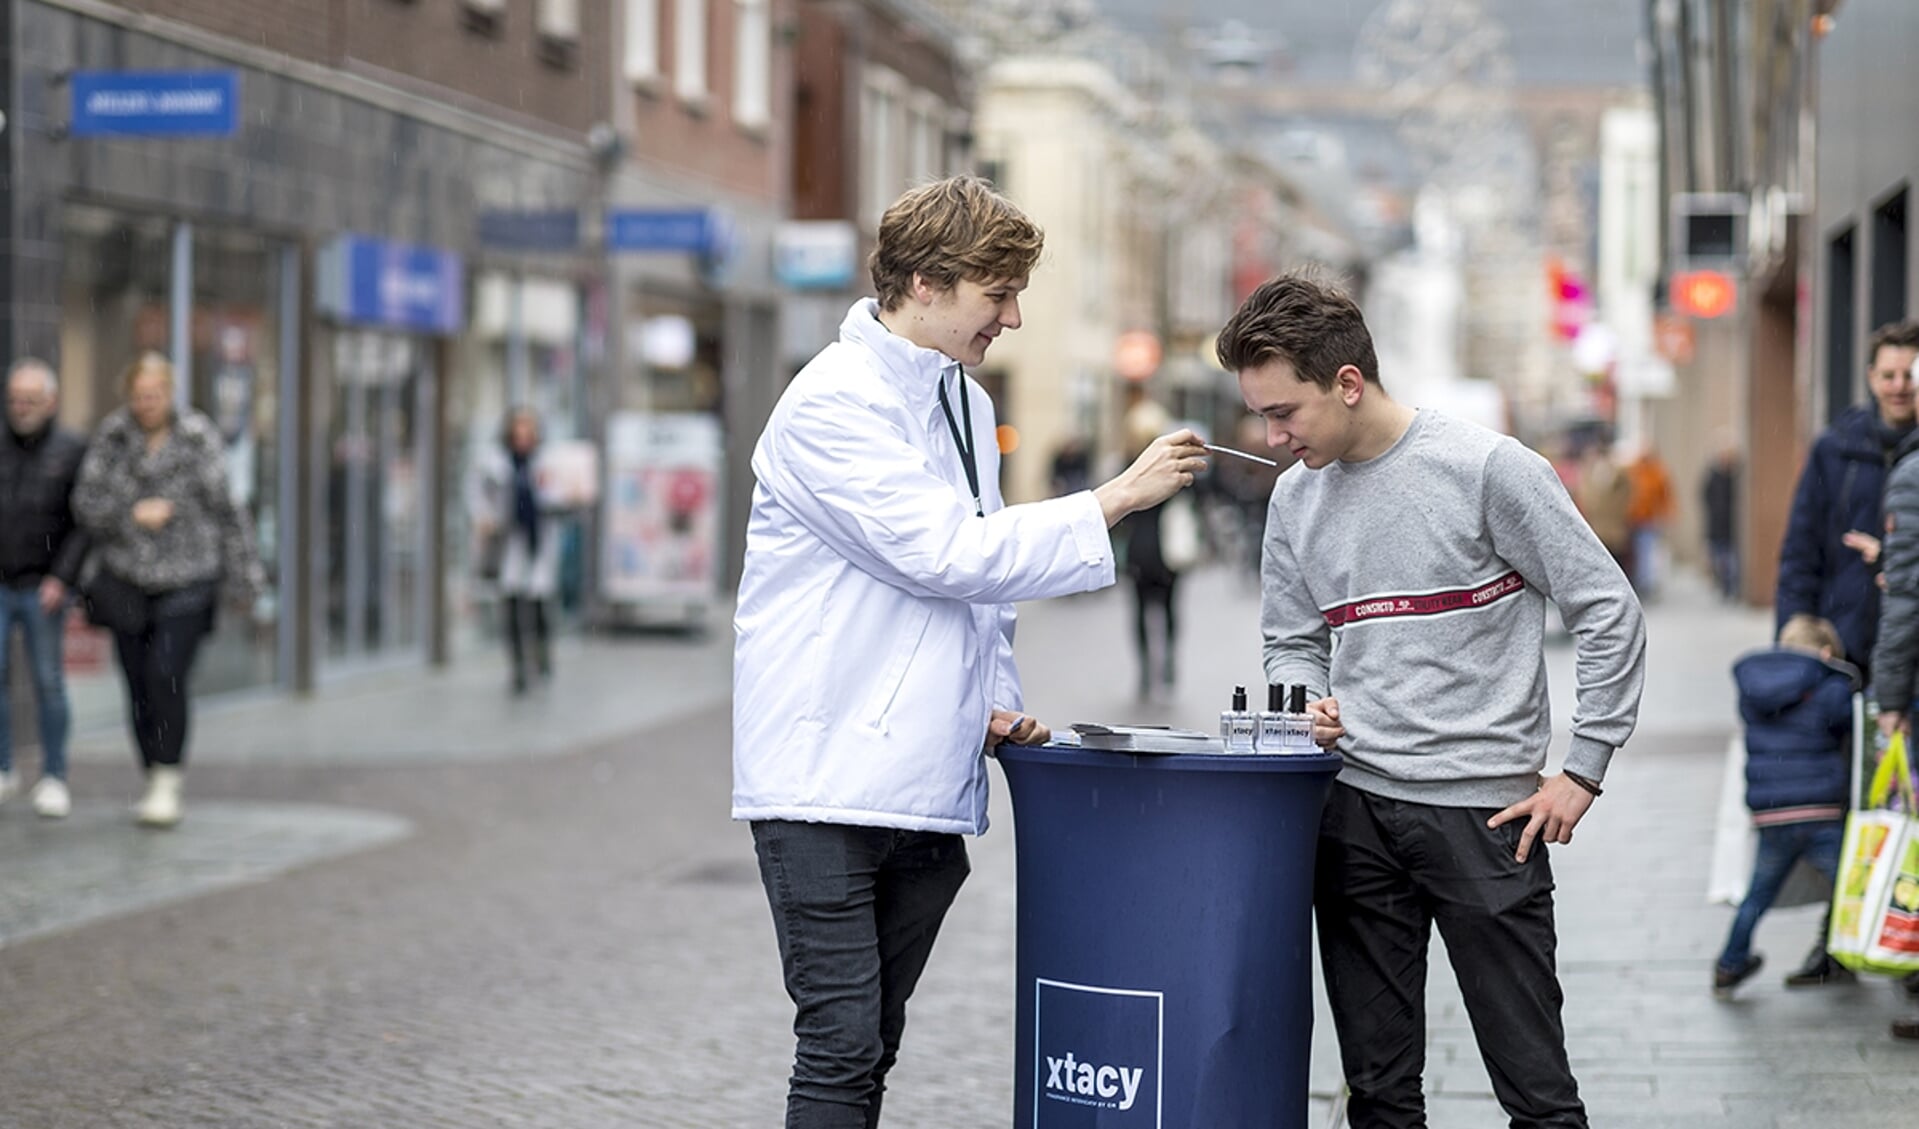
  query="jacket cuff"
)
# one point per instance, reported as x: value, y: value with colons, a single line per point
x: 1589, y: 757
x: 1090, y: 535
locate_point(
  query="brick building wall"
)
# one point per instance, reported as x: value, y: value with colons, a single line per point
x: 431, y: 42
x: 826, y: 87
x: 304, y: 29
x: 426, y: 46
x: 703, y: 138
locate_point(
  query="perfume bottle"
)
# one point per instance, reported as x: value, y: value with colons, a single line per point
x: 1271, y: 724
x: 1299, y: 723
x: 1236, y: 726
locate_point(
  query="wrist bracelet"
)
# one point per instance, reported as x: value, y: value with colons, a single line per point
x: 1589, y: 785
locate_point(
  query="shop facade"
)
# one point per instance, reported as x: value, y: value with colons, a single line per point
x: 318, y: 278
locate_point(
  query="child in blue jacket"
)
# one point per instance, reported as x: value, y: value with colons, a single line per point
x: 1796, y: 702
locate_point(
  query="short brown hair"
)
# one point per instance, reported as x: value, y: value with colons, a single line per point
x: 1812, y: 633
x: 1308, y: 323
x: 1892, y: 335
x: 951, y: 229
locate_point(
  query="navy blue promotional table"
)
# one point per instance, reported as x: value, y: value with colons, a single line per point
x: 1165, y: 937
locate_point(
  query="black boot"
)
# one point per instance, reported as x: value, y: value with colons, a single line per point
x: 1820, y: 969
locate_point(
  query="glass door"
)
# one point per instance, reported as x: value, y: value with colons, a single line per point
x: 373, y: 541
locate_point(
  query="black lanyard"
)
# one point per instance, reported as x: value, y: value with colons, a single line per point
x: 968, y: 449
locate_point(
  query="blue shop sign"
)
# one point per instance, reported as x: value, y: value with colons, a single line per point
x: 553, y: 230
x: 695, y: 231
x: 366, y: 281
x: 155, y: 103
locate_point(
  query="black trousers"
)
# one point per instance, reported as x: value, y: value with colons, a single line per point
x: 856, y: 910
x: 524, y: 615
x: 1155, y: 591
x: 157, y: 662
x: 1386, y: 873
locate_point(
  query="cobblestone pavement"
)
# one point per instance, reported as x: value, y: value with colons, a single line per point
x: 68, y: 872
x: 577, y: 938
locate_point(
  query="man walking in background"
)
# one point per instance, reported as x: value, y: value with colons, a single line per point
x: 1828, y: 562
x: 40, y: 553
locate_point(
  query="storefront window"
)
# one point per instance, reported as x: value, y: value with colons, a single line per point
x: 235, y: 381
x: 117, y: 303
x: 113, y: 305
x: 371, y: 442
x: 674, y: 345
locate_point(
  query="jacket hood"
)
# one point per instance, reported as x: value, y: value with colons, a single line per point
x: 916, y: 372
x: 1858, y: 434
x: 1775, y: 681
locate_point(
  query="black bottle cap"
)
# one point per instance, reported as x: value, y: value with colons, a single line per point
x: 1275, y: 697
x: 1298, y: 702
x: 1239, y: 697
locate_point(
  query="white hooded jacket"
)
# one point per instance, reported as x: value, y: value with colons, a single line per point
x: 874, y: 633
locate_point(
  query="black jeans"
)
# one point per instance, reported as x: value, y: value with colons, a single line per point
x: 523, y: 612
x: 1387, y: 871
x: 1155, y: 591
x: 855, y: 910
x: 157, y: 662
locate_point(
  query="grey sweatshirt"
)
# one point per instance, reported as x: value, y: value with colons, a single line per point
x: 1412, y: 587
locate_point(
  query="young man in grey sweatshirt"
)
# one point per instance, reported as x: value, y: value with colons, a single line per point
x: 1408, y: 561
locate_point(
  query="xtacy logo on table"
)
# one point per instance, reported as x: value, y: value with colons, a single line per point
x: 1097, y: 1056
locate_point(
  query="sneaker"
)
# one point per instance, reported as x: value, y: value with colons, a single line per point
x: 1907, y: 1028
x: 1818, y: 970
x: 160, y: 807
x: 51, y: 800
x: 1725, y: 980
x: 9, y: 784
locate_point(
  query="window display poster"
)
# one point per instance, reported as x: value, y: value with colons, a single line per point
x: 661, y: 511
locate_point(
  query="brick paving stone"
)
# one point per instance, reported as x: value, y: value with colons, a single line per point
x: 575, y: 937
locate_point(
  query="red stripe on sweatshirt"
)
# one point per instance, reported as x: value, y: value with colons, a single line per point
x: 1432, y: 603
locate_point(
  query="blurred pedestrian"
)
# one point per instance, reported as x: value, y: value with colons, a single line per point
x: 1828, y: 560
x: 1649, y: 507
x: 1719, y: 495
x: 153, y: 494
x: 1895, y: 660
x: 1247, y: 488
x: 1409, y: 559
x: 1604, y: 497
x: 1072, y: 468
x: 1795, y: 702
x: 874, y: 662
x: 41, y: 548
x: 516, y: 502
x: 1155, y: 545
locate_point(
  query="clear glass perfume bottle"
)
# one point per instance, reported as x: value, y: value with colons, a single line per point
x: 1272, y: 730
x: 1236, y: 726
x: 1299, y: 723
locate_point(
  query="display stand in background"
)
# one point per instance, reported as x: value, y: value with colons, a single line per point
x: 660, y: 514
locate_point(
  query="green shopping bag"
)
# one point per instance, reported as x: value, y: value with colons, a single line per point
x: 1875, y: 903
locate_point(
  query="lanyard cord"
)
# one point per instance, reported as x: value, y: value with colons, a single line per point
x: 968, y: 447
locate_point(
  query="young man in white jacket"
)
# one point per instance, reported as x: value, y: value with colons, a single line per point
x: 873, y: 663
